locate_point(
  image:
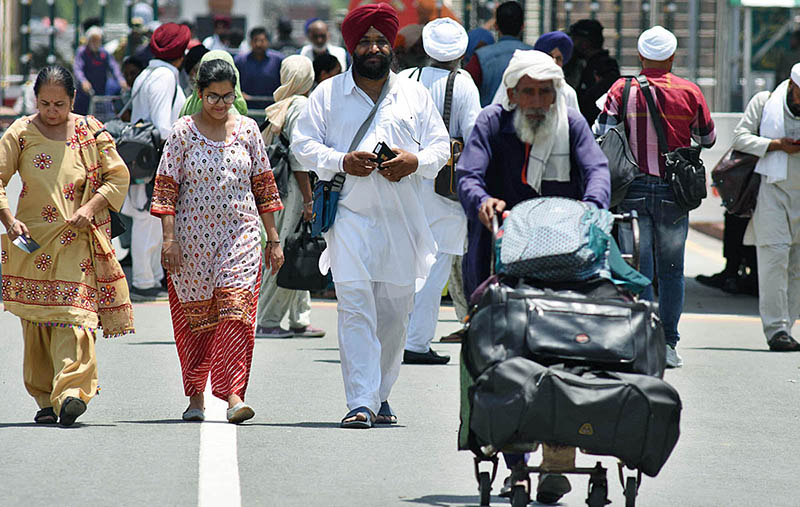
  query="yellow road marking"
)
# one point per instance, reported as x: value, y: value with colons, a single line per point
x: 705, y: 252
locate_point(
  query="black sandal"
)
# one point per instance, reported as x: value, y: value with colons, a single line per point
x: 71, y: 410
x: 45, y: 416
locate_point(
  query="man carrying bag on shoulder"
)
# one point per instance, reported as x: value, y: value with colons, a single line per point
x: 157, y: 98
x: 661, y: 145
x: 770, y: 129
x: 380, y: 247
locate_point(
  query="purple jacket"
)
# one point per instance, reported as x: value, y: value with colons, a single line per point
x: 491, y: 166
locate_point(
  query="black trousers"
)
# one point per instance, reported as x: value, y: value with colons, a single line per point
x: 736, y: 254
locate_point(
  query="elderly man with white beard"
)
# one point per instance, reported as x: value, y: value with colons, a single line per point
x: 529, y: 146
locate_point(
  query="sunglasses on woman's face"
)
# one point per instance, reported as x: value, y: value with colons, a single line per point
x: 213, y: 98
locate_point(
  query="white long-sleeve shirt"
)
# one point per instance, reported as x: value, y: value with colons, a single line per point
x: 381, y: 233
x: 447, y: 219
x: 153, y: 93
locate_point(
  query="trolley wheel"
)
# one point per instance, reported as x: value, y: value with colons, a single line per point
x: 598, y: 494
x: 485, y: 487
x: 520, y: 497
x: 631, y: 489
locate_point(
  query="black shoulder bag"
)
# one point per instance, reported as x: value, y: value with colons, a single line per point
x: 446, y: 183
x: 684, y: 171
x: 278, y: 155
x: 616, y: 147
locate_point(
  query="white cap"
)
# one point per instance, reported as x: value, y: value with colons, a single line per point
x: 657, y: 44
x: 796, y: 74
x: 444, y: 40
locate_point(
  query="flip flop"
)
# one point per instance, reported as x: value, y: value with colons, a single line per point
x: 386, y: 415
x: 45, y: 416
x: 358, y: 423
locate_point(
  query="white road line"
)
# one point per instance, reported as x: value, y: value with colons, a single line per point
x: 218, y: 484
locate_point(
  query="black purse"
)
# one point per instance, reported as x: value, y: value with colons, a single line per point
x: 684, y: 171
x: 300, y: 270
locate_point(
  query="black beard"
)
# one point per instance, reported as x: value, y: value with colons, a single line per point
x: 372, y: 71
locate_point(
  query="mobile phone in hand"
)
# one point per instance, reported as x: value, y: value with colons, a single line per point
x: 26, y: 244
x: 383, y: 153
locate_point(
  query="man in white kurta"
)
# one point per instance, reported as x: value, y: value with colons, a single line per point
x: 445, y: 41
x: 157, y: 98
x: 380, y: 247
x: 770, y: 129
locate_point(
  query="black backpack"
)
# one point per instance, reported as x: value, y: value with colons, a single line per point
x: 139, y: 142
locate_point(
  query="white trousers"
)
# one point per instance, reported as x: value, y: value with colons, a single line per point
x: 425, y: 315
x: 372, y: 329
x: 778, y: 287
x: 145, y: 240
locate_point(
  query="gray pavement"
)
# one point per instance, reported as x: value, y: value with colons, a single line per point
x: 737, y: 447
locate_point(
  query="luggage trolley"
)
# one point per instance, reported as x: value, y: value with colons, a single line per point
x: 597, y: 494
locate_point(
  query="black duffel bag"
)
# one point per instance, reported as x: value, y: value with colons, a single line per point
x: 300, y: 270
x: 635, y: 418
x: 598, y: 326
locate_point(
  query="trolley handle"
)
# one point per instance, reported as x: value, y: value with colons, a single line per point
x: 631, y: 217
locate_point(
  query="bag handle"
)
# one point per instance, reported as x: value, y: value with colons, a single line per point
x: 448, y: 99
x: 655, y: 114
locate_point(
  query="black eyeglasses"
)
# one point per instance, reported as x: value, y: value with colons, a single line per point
x: 213, y: 98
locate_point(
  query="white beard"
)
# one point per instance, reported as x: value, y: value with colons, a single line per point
x: 529, y: 132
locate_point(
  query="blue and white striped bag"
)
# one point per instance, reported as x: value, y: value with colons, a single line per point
x: 556, y: 239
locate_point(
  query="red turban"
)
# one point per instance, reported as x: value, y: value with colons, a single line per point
x: 358, y: 22
x: 169, y: 41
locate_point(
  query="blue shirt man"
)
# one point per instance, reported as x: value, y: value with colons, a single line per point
x: 259, y: 70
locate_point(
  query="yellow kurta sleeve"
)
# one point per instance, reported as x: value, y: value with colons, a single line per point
x: 9, y: 159
x: 114, y: 174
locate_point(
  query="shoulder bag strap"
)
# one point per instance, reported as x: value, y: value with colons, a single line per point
x: 130, y: 100
x: 338, y: 180
x: 362, y: 130
x: 626, y: 93
x: 448, y: 99
x: 655, y: 114
x: 419, y: 73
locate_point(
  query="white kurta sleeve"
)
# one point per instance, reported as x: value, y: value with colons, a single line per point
x: 435, y: 150
x: 746, y: 136
x: 308, y: 139
x: 162, y: 90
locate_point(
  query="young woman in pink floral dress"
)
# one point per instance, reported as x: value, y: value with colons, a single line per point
x: 213, y: 183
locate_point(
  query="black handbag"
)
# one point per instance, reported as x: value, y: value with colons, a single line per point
x: 635, y: 418
x: 600, y: 327
x: 735, y: 179
x: 300, y: 270
x: 615, y: 145
x: 684, y: 171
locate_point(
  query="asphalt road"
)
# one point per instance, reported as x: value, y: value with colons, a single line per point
x: 738, y: 444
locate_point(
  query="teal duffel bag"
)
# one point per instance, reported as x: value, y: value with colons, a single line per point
x: 557, y: 240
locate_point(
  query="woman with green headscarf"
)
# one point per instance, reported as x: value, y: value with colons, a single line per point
x: 297, y: 79
x: 194, y: 103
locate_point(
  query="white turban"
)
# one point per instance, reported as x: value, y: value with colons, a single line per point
x: 444, y: 40
x: 534, y: 64
x: 657, y: 44
x: 796, y: 74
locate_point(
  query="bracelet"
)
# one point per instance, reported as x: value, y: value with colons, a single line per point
x: 169, y: 240
x: 278, y: 242
x: 309, y: 203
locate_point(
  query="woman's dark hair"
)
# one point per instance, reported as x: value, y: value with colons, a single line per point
x: 214, y: 71
x: 55, y: 75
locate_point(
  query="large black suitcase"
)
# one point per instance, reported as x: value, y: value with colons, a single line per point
x: 596, y: 325
x: 633, y: 417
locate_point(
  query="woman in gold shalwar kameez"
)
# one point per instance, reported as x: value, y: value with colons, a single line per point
x: 72, y: 284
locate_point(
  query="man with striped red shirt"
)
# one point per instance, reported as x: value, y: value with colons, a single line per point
x: 686, y: 118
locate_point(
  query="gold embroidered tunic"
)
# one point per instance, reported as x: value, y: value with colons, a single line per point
x: 73, y: 279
